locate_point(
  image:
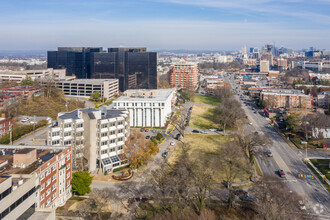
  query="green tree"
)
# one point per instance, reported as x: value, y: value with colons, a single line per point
x: 293, y: 121
x: 159, y: 136
x: 95, y: 96
x: 27, y: 81
x: 81, y: 181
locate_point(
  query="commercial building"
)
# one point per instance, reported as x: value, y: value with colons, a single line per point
x: 136, y: 68
x: 36, y: 177
x: 96, y: 136
x: 323, y: 99
x: 184, y: 74
x: 212, y: 82
x: 108, y: 88
x: 282, y: 98
x: 264, y: 66
x: 18, y: 76
x: 147, y: 108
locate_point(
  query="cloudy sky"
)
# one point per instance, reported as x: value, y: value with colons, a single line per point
x: 164, y: 24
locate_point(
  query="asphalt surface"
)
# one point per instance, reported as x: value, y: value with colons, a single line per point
x: 316, y: 197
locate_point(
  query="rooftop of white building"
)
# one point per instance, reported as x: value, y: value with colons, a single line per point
x: 140, y: 95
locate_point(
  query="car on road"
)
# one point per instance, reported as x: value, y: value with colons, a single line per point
x: 195, y: 131
x: 246, y: 198
x: 255, y: 112
x: 178, y: 136
x: 25, y: 120
x: 213, y: 129
x: 164, y: 154
x: 148, y: 137
x: 204, y: 132
x: 281, y: 173
x: 269, y: 153
x: 219, y: 129
x: 172, y: 143
x: 250, y: 123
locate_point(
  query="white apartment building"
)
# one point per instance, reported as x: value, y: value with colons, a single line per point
x: 18, y: 76
x: 264, y: 65
x: 95, y: 135
x: 147, y: 108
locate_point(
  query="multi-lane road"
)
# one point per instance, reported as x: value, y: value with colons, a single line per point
x: 314, y: 194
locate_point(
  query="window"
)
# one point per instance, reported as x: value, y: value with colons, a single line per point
x: 54, y: 167
x: 67, y: 142
x: 54, y: 187
x: 68, y: 157
x: 68, y: 175
x: 48, y: 172
x: 42, y: 187
x: 55, y: 142
x: 80, y: 125
x: 112, y: 149
x: 68, y: 125
x: 53, y: 196
x: 47, y: 182
x: 54, y: 177
x: 42, y: 197
x: 112, y: 141
x: 66, y: 134
x: 104, y: 125
x: 104, y: 151
x: 104, y: 134
x: 112, y: 132
x: 42, y: 176
x: 120, y: 147
x: 47, y: 192
x: 120, y: 139
x: 57, y: 133
x: 67, y: 184
x: 68, y: 167
x: 48, y: 201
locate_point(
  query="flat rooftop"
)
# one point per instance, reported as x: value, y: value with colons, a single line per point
x: 162, y: 95
x: 42, y: 157
x: 106, y: 113
x: 91, y: 81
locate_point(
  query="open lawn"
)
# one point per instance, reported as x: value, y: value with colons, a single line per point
x: 209, y: 100
x: 203, y: 148
x: 202, y: 117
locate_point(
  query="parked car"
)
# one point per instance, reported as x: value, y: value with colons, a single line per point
x: 269, y: 153
x: 154, y: 130
x: 213, y: 129
x: 178, y: 136
x: 240, y: 192
x: 281, y: 173
x: 142, y: 130
x: 172, y: 143
x: 246, y: 198
x: 302, y: 205
x: 148, y: 137
x: 146, y: 130
x: 164, y: 154
x: 195, y: 131
x: 250, y: 123
x: 204, y: 132
x: 219, y: 129
x: 25, y: 120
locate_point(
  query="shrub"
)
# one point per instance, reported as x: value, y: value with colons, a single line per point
x: 159, y: 136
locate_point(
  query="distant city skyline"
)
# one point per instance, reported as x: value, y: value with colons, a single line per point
x: 164, y: 24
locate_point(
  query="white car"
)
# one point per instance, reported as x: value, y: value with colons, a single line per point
x: 250, y: 123
x: 25, y: 120
x: 172, y: 143
x: 213, y: 129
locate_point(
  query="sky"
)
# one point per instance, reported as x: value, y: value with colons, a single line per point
x: 164, y: 24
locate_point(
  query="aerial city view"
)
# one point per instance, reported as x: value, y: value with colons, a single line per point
x: 164, y: 110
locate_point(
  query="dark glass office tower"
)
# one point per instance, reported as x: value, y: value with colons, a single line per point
x: 136, y: 68
x: 76, y: 60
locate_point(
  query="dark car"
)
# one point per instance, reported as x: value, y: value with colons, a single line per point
x: 219, y: 129
x: 148, y: 137
x: 142, y: 130
x: 246, y: 198
x: 195, y: 131
x: 178, y: 136
x: 281, y: 173
x: 164, y: 154
x: 240, y: 192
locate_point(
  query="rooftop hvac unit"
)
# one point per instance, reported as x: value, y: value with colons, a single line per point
x: 20, y: 182
x: 14, y: 187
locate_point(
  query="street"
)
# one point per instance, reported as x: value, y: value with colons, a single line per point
x: 285, y: 158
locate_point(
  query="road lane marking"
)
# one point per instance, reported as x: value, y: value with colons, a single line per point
x: 285, y: 165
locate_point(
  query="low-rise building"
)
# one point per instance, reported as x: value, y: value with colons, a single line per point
x: 285, y: 98
x: 25, y: 91
x: 43, y: 171
x: 147, y: 108
x: 323, y: 99
x: 18, y: 76
x: 5, y: 125
x: 96, y: 136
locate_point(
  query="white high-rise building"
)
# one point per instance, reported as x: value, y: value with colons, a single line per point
x: 147, y: 108
x: 97, y: 136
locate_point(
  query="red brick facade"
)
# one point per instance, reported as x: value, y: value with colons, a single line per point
x: 184, y: 75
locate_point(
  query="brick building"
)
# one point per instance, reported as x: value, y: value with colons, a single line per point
x: 286, y: 99
x: 184, y: 74
x: 51, y: 166
x: 5, y: 124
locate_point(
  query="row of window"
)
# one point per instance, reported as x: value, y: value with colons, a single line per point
x: 111, y: 150
x: 141, y: 104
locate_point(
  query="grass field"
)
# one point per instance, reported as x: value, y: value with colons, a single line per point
x: 202, y: 117
x: 204, y: 149
x: 206, y: 100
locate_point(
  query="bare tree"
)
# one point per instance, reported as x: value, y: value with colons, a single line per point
x: 275, y: 200
x: 234, y: 166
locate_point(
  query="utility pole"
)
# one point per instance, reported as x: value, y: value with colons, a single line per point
x: 34, y: 127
